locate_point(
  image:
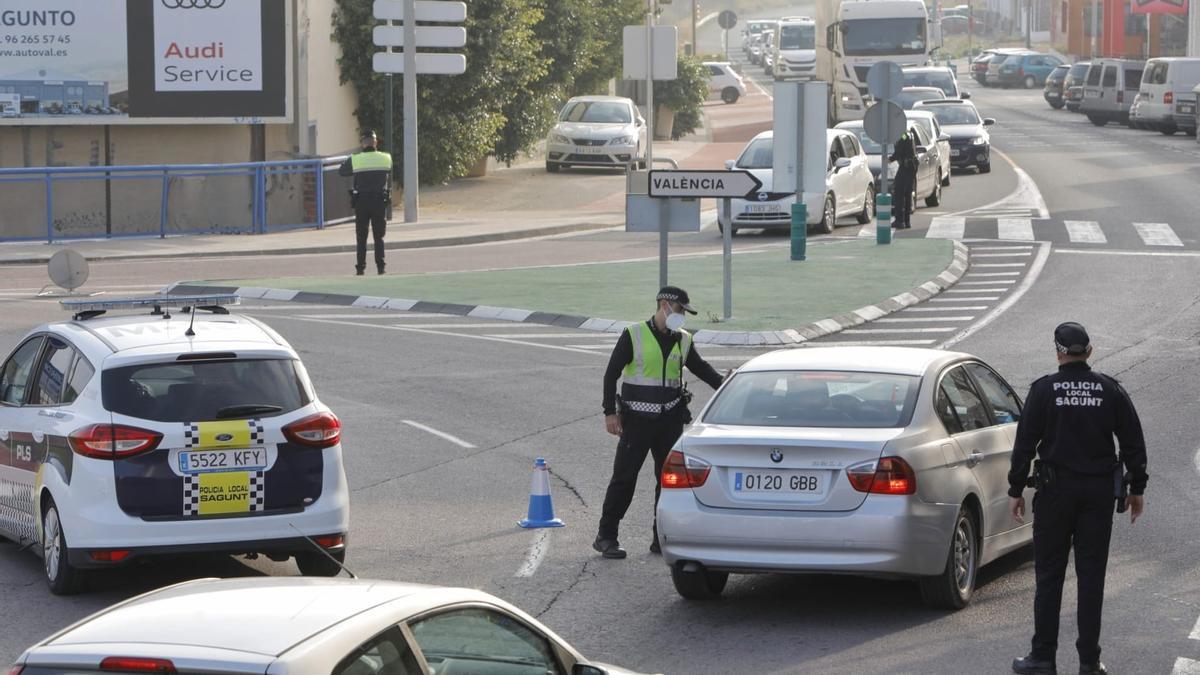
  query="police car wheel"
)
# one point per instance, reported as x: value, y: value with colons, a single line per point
x: 313, y: 564
x: 699, y: 585
x: 61, y: 576
x: 953, y: 588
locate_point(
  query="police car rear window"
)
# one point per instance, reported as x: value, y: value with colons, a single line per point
x: 202, y: 391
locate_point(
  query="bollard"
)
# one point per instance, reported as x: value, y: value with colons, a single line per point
x: 883, y: 219
x: 799, y: 229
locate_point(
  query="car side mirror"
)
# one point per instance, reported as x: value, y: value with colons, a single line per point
x: 964, y: 95
x: 584, y: 669
x: 944, y: 137
x: 729, y: 164
x: 841, y: 163
x: 640, y: 122
x: 988, y: 121
x: 922, y: 149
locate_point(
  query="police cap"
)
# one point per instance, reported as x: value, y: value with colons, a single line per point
x: 367, y: 134
x: 676, y: 294
x: 1071, y: 338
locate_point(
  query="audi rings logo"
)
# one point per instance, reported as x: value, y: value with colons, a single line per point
x: 193, y: 4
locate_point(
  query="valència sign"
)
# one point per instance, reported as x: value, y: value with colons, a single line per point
x: 690, y: 183
x: 74, y: 62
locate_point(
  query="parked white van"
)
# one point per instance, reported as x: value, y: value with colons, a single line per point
x: 1166, y: 82
x: 1109, y: 90
x: 795, y: 49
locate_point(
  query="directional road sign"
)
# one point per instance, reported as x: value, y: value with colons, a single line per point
x: 884, y: 122
x: 427, y: 64
x: 685, y: 183
x: 426, y: 10
x: 427, y: 36
x: 727, y: 19
x: 884, y: 80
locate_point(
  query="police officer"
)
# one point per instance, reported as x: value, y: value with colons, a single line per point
x: 905, y: 156
x: 649, y: 359
x: 1069, y: 421
x: 371, y: 196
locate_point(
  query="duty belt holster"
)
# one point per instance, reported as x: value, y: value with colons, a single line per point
x: 1044, y: 476
x: 1121, y: 489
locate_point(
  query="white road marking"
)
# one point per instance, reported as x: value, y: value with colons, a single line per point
x: 440, y: 434
x: 537, y: 553
x: 946, y: 227
x: 867, y: 230
x: 1034, y: 271
x: 975, y: 299
x: 1014, y: 254
x: 594, y: 346
x: 383, y: 314
x: 1001, y: 248
x: 1020, y: 229
x: 868, y: 343
x: 1157, y: 234
x: 1085, y: 232
x: 1195, y: 634
x: 992, y: 265
x: 497, y: 324
x: 922, y: 319
x: 580, y: 335
x: 1026, y: 196
x: 976, y: 290
x: 1151, y: 254
x: 864, y: 331
x: 1186, y: 667
x: 945, y: 309
x: 971, y: 275
x: 990, y: 282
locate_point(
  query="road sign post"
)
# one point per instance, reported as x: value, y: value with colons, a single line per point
x: 726, y: 20
x: 722, y: 185
x: 884, y: 123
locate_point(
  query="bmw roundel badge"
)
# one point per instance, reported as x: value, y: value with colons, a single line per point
x: 776, y: 455
x: 225, y: 438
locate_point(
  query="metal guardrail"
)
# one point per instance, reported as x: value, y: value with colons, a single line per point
x: 260, y: 172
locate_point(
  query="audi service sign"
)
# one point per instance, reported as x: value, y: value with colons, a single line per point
x: 144, y: 61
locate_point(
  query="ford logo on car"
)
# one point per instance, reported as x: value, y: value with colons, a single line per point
x: 224, y: 438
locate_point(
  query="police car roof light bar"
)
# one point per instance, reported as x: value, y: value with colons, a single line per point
x: 86, y: 308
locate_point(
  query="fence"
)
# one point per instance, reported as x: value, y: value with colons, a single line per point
x: 90, y: 202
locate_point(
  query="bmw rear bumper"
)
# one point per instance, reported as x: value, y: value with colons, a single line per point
x: 886, y: 536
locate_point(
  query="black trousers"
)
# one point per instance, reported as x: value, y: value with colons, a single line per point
x: 370, y: 214
x: 902, y: 201
x: 1076, y: 513
x: 640, y: 435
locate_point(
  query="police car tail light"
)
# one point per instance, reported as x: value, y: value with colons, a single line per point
x: 888, y: 476
x: 129, y: 664
x: 683, y: 471
x: 113, y: 441
x: 322, y: 430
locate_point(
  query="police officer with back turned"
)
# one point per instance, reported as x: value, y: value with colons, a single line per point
x: 1069, y: 422
x: 649, y: 359
x: 905, y: 156
x: 371, y: 196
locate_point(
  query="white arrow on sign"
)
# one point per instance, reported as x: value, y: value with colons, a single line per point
x: 426, y: 10
x: 427, y: 64
x: 685, y: 183
x: 427, y: 36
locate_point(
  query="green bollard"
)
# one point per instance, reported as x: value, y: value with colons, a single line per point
x: 799, y: 230
x: 883, y: 219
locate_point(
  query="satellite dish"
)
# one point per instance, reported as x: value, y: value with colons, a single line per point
x: 68, y: 269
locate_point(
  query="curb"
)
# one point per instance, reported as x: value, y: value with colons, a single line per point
x: 462, y: 240
x: 792, y: 336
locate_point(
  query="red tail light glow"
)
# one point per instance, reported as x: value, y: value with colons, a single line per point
x: 888, y: 476
x: 682, y: 471
x: 15, y: 669
x: 331, y: 541
x: 129, y: 664
x: 113, y: 441
x: 322, y: 430
x: 108, y: 556
x: 1169, y: 97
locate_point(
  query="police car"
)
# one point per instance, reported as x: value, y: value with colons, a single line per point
x: 178, y: 429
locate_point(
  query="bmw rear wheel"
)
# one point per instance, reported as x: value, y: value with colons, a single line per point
x: 699, y: 585
x: 61, y: 576
x: 953, y: 588
x: 935, y: 197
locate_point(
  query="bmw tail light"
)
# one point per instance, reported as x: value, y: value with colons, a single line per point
x: 15, y: 669
x: 113, y: 441
x: 129, y: 664
x: 682, y: 471
x: 888, y: 476
x: 322, y: 430
x: 1169, y: 97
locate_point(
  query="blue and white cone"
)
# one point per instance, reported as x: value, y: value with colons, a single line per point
x: 541, y: 508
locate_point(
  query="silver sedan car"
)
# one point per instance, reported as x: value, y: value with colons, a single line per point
x: 873, y: 461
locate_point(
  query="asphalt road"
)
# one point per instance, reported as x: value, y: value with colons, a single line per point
x: 431, y: 509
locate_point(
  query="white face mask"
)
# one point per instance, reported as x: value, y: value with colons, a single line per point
x: 675, y: 321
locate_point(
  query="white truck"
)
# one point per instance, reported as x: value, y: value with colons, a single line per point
x: 860, y: 33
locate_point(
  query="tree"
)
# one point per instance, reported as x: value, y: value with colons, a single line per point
x: 684, y: 95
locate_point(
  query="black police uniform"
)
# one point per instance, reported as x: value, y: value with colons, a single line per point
x: 1069, y: 421
x: 905, y: 156
x: 370, y: 197
x: 643, y: 432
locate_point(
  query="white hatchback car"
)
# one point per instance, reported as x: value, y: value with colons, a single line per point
x: 724, y: 82
x: 290, y: 626
x: 849, y: 187
x: 605, y: 131
x: 130, y: 436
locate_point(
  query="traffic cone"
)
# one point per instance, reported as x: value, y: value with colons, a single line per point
x: 541, y: 508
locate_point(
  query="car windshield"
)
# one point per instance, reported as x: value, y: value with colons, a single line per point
x: 905, y: 99
x: 204, y: 391
x: 953, y: 114
x: 941, y: 80
x: 760, y: 154
x: 869, y: 146
x: 801, y: 36
x: 815, y: 398
x: 872, y: 37
x: 597, y: 112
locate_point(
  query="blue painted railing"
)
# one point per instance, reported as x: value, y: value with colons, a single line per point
x: 261, y: 172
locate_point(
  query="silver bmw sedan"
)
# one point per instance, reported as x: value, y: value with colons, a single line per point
x: 873, y: 461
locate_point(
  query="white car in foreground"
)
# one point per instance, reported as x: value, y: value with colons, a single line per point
x: 290, y: 626
x: 604, y: 131
x: 871, y: 461
x: 849, y: 187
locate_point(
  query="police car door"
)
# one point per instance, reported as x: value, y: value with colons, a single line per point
x: 17, y: 445
x: 59, y: 376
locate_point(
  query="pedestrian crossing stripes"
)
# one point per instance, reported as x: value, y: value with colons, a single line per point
x: 947, y: 227
x: 1019, y: 230
x: 1085, y: 232
x: 1157, y: 234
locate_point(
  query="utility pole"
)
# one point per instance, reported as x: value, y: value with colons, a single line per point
x: 411, y: 177
x: 1028, y: 24
x: 1193, y: 34
x: 1095, y: 27
x: 695, y: 9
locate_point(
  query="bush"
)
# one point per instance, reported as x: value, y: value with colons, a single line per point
x: 684, y: 95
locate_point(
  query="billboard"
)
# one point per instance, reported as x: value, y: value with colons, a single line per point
x: 144, y: 61
x: 1159, y: 7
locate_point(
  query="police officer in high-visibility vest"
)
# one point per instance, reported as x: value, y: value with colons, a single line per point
x: 371, y: 196
x: 649, y: 359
